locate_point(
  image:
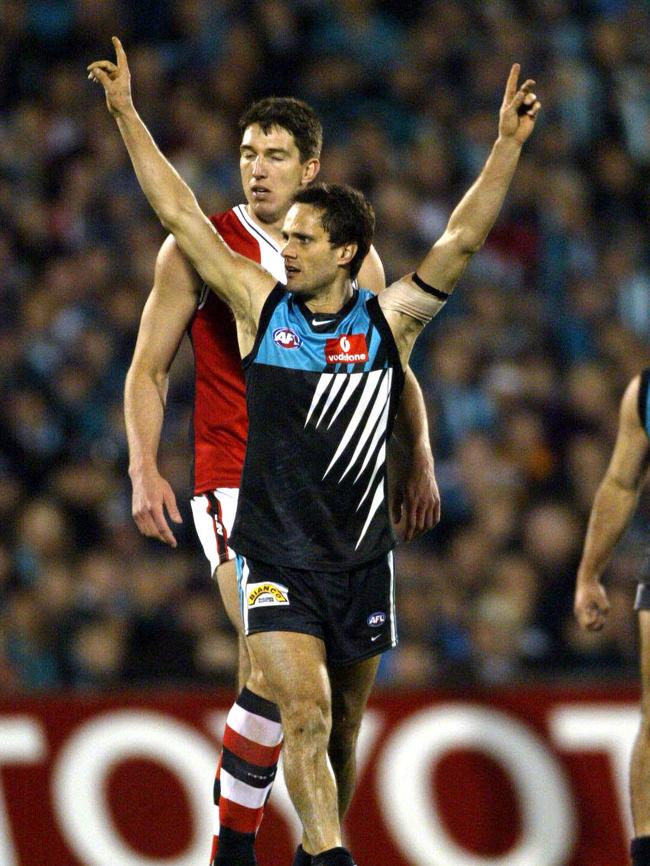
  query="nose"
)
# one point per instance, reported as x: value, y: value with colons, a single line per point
x: 259, y: 167
x: 287, y: 251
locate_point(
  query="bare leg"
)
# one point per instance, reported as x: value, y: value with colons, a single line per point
x: 226, y: 575
x: 351, y: 686
x: 296, y: 674
x: 640, y: 765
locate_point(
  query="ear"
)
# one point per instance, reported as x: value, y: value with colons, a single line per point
x: 309, y: 170
x: 346, y: 253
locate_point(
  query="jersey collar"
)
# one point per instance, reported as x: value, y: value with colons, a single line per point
x: 325, y: 323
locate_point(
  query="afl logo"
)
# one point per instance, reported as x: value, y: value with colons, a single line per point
x: 287, y: 338
x: 376, y: 619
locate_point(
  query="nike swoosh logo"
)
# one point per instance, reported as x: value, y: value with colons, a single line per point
x: 374, y: 638
x: 317, y: 322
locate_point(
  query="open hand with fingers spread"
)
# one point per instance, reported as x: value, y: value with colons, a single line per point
x: 519, y: 109
x: 115, y: 78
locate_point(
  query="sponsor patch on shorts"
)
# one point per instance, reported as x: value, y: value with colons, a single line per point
x: 267, y: 593
x: 376, y: 619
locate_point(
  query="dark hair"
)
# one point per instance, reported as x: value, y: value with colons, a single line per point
x: 291, y: 114
x: 346, y: 216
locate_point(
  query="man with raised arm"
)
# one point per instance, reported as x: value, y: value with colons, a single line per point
x: 324, y: 365
x: 611, y: 513
x: 280, y: 147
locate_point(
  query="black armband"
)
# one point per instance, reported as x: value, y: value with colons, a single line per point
x: 442, y: 296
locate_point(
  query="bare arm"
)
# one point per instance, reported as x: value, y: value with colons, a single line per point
x: 414, y: 495
x: 612, y: 510
x: 415, y: 498
x: 472, y: 218
x: 167, y: 313
x: 371, y: 273
x: 243, y: 284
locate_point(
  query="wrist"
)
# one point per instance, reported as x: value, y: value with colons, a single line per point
x: 590, y: 579
x: 124, y: 111
x: 507, y: 143
x: 141, y: 467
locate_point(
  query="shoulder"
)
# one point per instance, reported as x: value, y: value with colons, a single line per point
x: 173, y: 272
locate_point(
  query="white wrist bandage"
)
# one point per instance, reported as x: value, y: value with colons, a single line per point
x: 420, y: 301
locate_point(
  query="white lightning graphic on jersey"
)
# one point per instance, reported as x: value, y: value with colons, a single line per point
x: 374, y: 400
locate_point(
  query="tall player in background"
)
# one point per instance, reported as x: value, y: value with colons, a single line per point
x: 612, y: 511
x: 280, y: 149
x: 323, y: 558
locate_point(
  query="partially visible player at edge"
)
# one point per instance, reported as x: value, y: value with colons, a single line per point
x: 336, y: 576
x: 280, y: 148
x: 611, y: 513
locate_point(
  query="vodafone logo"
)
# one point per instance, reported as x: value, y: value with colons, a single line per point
x: 287, y: 338
x: 346, y: 349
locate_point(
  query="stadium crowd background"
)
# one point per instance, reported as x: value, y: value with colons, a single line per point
x: 522, y: 372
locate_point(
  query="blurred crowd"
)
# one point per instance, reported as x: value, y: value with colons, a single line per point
x: 522, y: 372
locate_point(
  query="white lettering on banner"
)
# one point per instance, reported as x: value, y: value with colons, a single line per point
x: 79, y: 783
x: 597, y: 728
x: 22, y: 741
x: 404, y: 787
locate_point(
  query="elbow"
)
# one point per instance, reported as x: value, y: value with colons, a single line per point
x: 175, y: 212
x: 468, y: 241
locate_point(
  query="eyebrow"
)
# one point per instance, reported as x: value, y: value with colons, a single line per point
x: 300, y: 235
x: 268, y: 150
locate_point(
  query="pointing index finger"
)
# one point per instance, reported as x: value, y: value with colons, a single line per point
x: 511, y: 84
x: 120, y: 53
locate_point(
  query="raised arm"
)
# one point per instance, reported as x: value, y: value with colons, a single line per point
x: 613, y: 507
x: 412, y: 301
x: 240, y: 282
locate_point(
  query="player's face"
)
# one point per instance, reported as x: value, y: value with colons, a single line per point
x: 310, y: 262
x: 271, y: 171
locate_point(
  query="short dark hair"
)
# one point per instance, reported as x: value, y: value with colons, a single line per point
x: 347, y: 216
x: 291, y: 114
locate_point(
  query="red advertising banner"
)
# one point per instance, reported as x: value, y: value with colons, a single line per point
x: 531, y: 776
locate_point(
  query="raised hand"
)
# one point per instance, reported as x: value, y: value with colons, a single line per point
x: 115, y: 78
x: 519, y: 108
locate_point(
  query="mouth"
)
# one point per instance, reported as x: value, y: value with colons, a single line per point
x: 260, y: 193
x: 291, y: 271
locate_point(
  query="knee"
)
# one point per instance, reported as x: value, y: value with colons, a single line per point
x: 306, y: 721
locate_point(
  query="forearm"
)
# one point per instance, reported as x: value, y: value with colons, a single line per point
x: 611, y: 513
x: 164, y: 188
x: 411, y: 423
x: 472, y: 219
x: 477, y: 211
x: 144, y: 410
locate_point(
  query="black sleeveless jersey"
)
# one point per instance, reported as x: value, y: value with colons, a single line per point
x: 322, y: 393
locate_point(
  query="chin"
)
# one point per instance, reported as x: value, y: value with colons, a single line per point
x: 265, y: 212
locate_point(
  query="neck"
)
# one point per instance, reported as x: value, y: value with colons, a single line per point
x: 274, y: 229
x: 331, y: 299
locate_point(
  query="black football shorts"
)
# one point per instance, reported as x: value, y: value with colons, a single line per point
x: 353, y: 612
